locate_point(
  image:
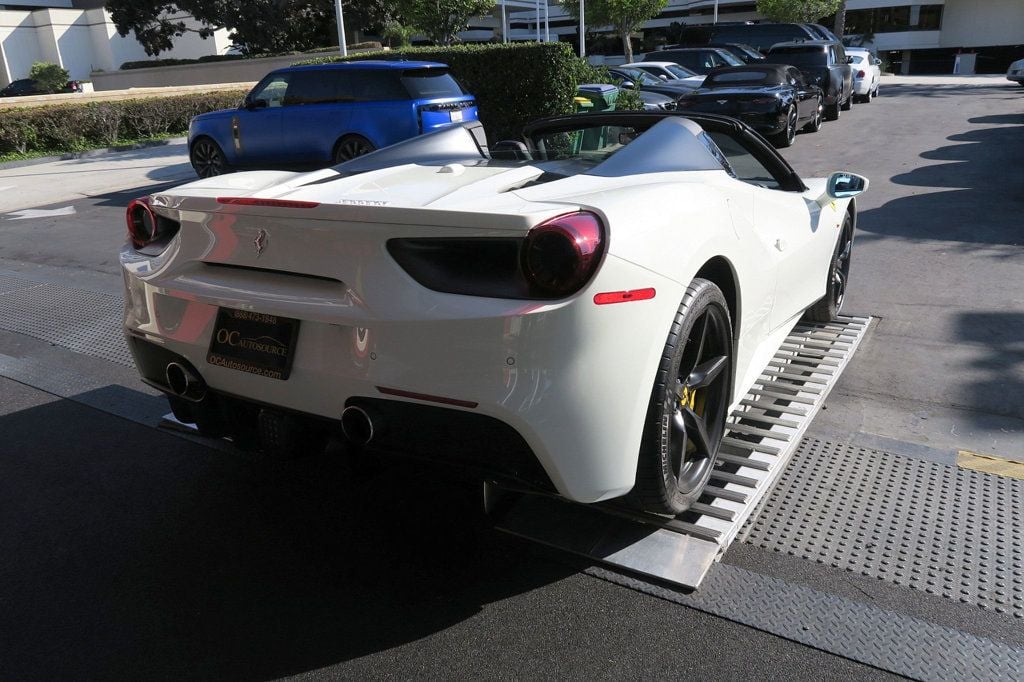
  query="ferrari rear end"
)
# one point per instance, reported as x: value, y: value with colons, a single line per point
x: 279, y: 313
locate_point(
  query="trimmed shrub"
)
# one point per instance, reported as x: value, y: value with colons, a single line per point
x: 50, y: 77
x: 514, y: 83
x: 74, y: 127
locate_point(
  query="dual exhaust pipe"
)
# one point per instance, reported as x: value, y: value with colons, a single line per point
x: 359, y: 425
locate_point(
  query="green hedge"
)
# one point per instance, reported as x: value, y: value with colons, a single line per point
x: 74, y: 127
x: 513, y: 83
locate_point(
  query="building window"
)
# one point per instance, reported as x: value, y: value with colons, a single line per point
x: 894, y: 19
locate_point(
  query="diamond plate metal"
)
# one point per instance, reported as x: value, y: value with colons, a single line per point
x: 83, y: 321
x: 861, y: 632
x: 933, y: 527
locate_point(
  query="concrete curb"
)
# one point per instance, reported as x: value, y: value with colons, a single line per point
x: 92, y: 153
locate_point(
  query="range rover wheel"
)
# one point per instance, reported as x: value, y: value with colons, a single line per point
x: 351, y: 146
x: 689, y: 404
x: 207, y: 158
x: 827, y: 309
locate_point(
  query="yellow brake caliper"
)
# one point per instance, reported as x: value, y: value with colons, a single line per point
x: 691, y: 399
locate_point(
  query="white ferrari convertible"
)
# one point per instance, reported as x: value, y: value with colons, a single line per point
x: 576, y: 311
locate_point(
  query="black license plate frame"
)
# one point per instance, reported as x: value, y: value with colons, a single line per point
x: 253, y: 342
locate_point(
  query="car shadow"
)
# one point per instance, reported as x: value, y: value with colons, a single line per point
x: 129, y: 553
x: 1001, y: 333
x: 979, y: 206
x: 948, y: 90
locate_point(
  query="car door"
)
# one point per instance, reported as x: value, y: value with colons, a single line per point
x: 316, y: 112
x: 256, y: 127
x: 784, y: 223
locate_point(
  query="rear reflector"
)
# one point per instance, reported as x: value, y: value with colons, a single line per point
x: 276, y: 203
x: 424, y: 396
x: 624, y: 296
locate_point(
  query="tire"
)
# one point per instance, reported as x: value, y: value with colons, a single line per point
x: 848, y: 104
x: 207, y: 158
x: 827, y: 309
x: 786, y: 137
x: 686, y: 416
x: 350, y: 147
x: 832, y: 111
x: 815, y: 124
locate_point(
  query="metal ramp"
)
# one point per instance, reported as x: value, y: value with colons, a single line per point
x: 760, y: 438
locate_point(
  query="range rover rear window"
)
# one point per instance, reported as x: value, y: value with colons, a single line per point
x: 431, y: 84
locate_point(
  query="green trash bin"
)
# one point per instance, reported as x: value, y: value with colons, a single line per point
x: 602, y: 98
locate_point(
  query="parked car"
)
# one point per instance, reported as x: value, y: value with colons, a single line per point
x: 425, y: 292
x: 655, y: 101
x: 1016, y: 72
x: 640, y: 79
x: 668, y: 71
x: 823, y: 63
x: 748, y: 54
x: 773, y: 99
x: 312, y: 116
x: 24, y: 87
x: 762, y: 36
x: 867, y: 73
x: 700, y: 60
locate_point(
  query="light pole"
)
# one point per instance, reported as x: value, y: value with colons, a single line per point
x: 583, y: 32
x: 341, y: 28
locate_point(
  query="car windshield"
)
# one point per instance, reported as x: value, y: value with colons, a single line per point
x: 431, y: 83
x: 639, y: 76
x: 729, y: 57
x: 679, y: 71
x: 590, y: 145
x: 799, y: 56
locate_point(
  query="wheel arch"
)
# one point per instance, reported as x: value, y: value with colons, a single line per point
x: 351, y: 133
x: 722, y: 273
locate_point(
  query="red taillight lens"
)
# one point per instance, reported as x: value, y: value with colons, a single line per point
x: 142, y: 222
x: 860, y: 74
x: 560, y: 255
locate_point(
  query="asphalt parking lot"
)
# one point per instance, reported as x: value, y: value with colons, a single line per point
x: 133, y: 552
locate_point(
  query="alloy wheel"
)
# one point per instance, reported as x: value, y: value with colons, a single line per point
x: 350, y: 148
x: 701, y: 400
x: 207, y: 159
x: 841, y: 268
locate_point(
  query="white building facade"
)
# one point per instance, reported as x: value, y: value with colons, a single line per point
x: 79, y: 40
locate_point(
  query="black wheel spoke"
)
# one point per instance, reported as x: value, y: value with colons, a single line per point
x: 697, y: 430
x: 705, y: 374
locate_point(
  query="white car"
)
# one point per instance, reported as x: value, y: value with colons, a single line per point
x: 669, y: 71
x: 1016, y: 72
x: 578, y: 311
x: 867, y: 73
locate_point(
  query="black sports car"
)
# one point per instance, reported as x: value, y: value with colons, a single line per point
x: 774, y: 99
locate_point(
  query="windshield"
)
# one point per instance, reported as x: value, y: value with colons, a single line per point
x: 679, y: 71
x: 729, y: 57
x: 591, y: 145
x: 638, y: 76
x: 737, y: 78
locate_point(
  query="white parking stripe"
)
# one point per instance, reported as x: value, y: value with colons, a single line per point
x: 40, y: 213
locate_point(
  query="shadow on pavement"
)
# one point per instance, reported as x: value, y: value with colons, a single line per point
x: 129, y: 553
x: 981, y: 207
x: 948, y: 90
x: 1002, y: 334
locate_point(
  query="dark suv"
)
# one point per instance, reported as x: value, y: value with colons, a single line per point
x: 823, y: 63
x: 763, y: 36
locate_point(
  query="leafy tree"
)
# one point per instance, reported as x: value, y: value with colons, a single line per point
x: 625, y: 16
x: 257, y: 26
x: 797, y: 10
x: 50, y: 77
x: 397, y: 34
x: 441, y: 20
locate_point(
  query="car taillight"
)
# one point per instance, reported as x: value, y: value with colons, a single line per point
x: 554, y: 260
x: 860, y: 74
x: 560, y: 255
x: 145, y: 227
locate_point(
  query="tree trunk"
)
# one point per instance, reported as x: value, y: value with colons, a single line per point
x: 840, y: 25
x: 627, y: 44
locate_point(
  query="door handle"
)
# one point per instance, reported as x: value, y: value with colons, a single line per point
x: 780, y: 244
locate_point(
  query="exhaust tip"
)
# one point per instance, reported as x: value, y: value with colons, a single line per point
x: 357, y: 425
x: 184, y: 383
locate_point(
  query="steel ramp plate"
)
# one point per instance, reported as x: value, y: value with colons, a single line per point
x: 761, y: 437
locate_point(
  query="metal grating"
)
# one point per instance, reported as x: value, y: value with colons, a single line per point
x: 761, y: 437
x: 83, y: 321
x: 946, y: 531
x: 861, y: 632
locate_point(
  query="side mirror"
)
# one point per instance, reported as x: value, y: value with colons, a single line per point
x: 845, y: 185
x: 250, y: 103
x: 628, y: 84
x: 849, y: 60
x: 662, y: 76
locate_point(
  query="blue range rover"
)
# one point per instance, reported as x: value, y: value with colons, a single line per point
x: 314, y: 116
